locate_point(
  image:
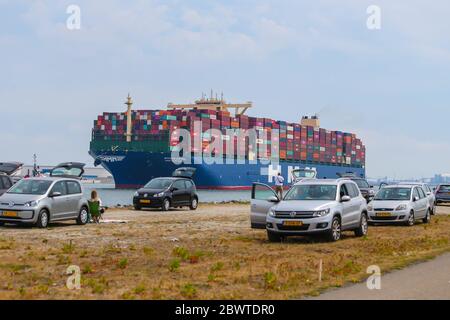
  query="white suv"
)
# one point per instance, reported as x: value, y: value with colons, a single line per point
x: 310, y: 207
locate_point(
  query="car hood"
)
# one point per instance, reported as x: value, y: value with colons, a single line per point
x: 388, y: 204
x: 19, y: 198
x: 303, y: 205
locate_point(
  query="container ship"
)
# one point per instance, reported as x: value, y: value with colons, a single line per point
x: 136, y: 146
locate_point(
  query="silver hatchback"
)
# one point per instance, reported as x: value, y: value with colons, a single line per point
x: 39, y: 201
x: 310, y: 207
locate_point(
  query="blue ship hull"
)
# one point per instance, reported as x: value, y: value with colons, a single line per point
x: 132, y: 170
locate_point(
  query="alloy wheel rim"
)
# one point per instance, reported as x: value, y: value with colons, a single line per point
x: 194, y: 203
x: 411, y: 219
x: 83, y: 216
x: 44, y: 219
x: 364, y: 224
x: 166, y: 205
x: 336, y: 230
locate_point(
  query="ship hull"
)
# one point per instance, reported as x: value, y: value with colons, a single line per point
x: 132, y: 170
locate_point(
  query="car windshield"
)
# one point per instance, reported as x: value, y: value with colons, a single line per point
x: 159, y: 184
x: 361, y: 183
x: 394, y: 194
x: 35, y: 187
x: 312, y: 192
x: 444, y: 189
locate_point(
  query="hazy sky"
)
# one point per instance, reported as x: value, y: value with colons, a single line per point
x: 390, y: 86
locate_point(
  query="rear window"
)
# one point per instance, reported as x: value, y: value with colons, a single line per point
x: 361, y: 183
x: 444, y: 189
x: 6, y: 183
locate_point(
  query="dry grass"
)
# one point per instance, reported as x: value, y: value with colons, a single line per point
x: 208, y: 254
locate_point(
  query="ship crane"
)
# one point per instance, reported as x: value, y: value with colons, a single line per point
x: 213, y: 103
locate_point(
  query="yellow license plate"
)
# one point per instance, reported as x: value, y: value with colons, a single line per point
x: 145, y: 201
x: 383, y: 214
x: 293, y: 223
x: 9, y: 214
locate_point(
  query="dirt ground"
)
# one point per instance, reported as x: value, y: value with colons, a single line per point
x: 210, y: 253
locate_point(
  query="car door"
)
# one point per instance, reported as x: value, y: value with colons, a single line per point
x: 2, y: 187
x: 346, y: 206
x: 178, y: 192
x: 73, y: 198
x: 423, y: 202
x: 59, y: 204
x: 356, y: 203
x: 263, y: 198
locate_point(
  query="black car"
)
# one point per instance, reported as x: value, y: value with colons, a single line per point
x: 166, y: 193
x: 6, y: 170
x: 366, y: 189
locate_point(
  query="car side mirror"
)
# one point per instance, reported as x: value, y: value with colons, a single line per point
x: 55, y: 194
x: 415, y: 199
x: 428, y: 193
x: 371, y: 187
x: 346, y: 199
x: 274, y: 199
x: 174, y: 189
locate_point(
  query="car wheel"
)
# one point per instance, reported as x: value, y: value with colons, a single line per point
x: 83, y: 216
x: 274, y: 237
x: 194, y: 204
x: 334, y: 234
x: 2, y: 224
x: 363, y: 226
x: 43, y: 219
x: 137, y: 208
x: 411, y: 219
x: 165, y: 205
x: 427, y: 218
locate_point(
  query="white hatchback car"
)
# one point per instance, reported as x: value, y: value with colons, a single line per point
x: 400, y: 204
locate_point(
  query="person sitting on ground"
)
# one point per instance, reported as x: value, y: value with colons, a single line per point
x: 95, y: 207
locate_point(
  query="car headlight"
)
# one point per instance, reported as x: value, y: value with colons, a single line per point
x: 272, y: 212
x: 371, y: 192
x: 322, y: 213
x: 370, y: 207
x: 31, y: 203
x: 401, y: 207
x: 136, y: 194
x: 161, y: 194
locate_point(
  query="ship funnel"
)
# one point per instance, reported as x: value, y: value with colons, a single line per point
x: 129, y: 103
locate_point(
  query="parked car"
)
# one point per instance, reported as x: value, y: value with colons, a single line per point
x: 366, y: 189
x: 165, y: 193
x: 6, y: 170
x: 400, y: 204
x: 443, y: 193
x: 310, y: 207
x: 39, y: 201
x: 428, y: 191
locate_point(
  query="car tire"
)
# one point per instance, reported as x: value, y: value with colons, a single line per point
x: 165, y: 205
x: 335, y: 232
x: 83, y: 216
x: 427, y: 218
x: 43, y: 219
x: 194, y: 204
x: 274, y: 237
x: 137, y: 208
x: 362, y: 230
x: 2, y: 224
x: 411, y: 220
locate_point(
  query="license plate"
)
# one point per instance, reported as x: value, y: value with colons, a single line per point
x: 293, y: 223
x: 9, y: 214
x: 383, y: 214
x: 145, y: 201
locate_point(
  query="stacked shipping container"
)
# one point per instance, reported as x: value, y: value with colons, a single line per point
x: 151, y: 131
